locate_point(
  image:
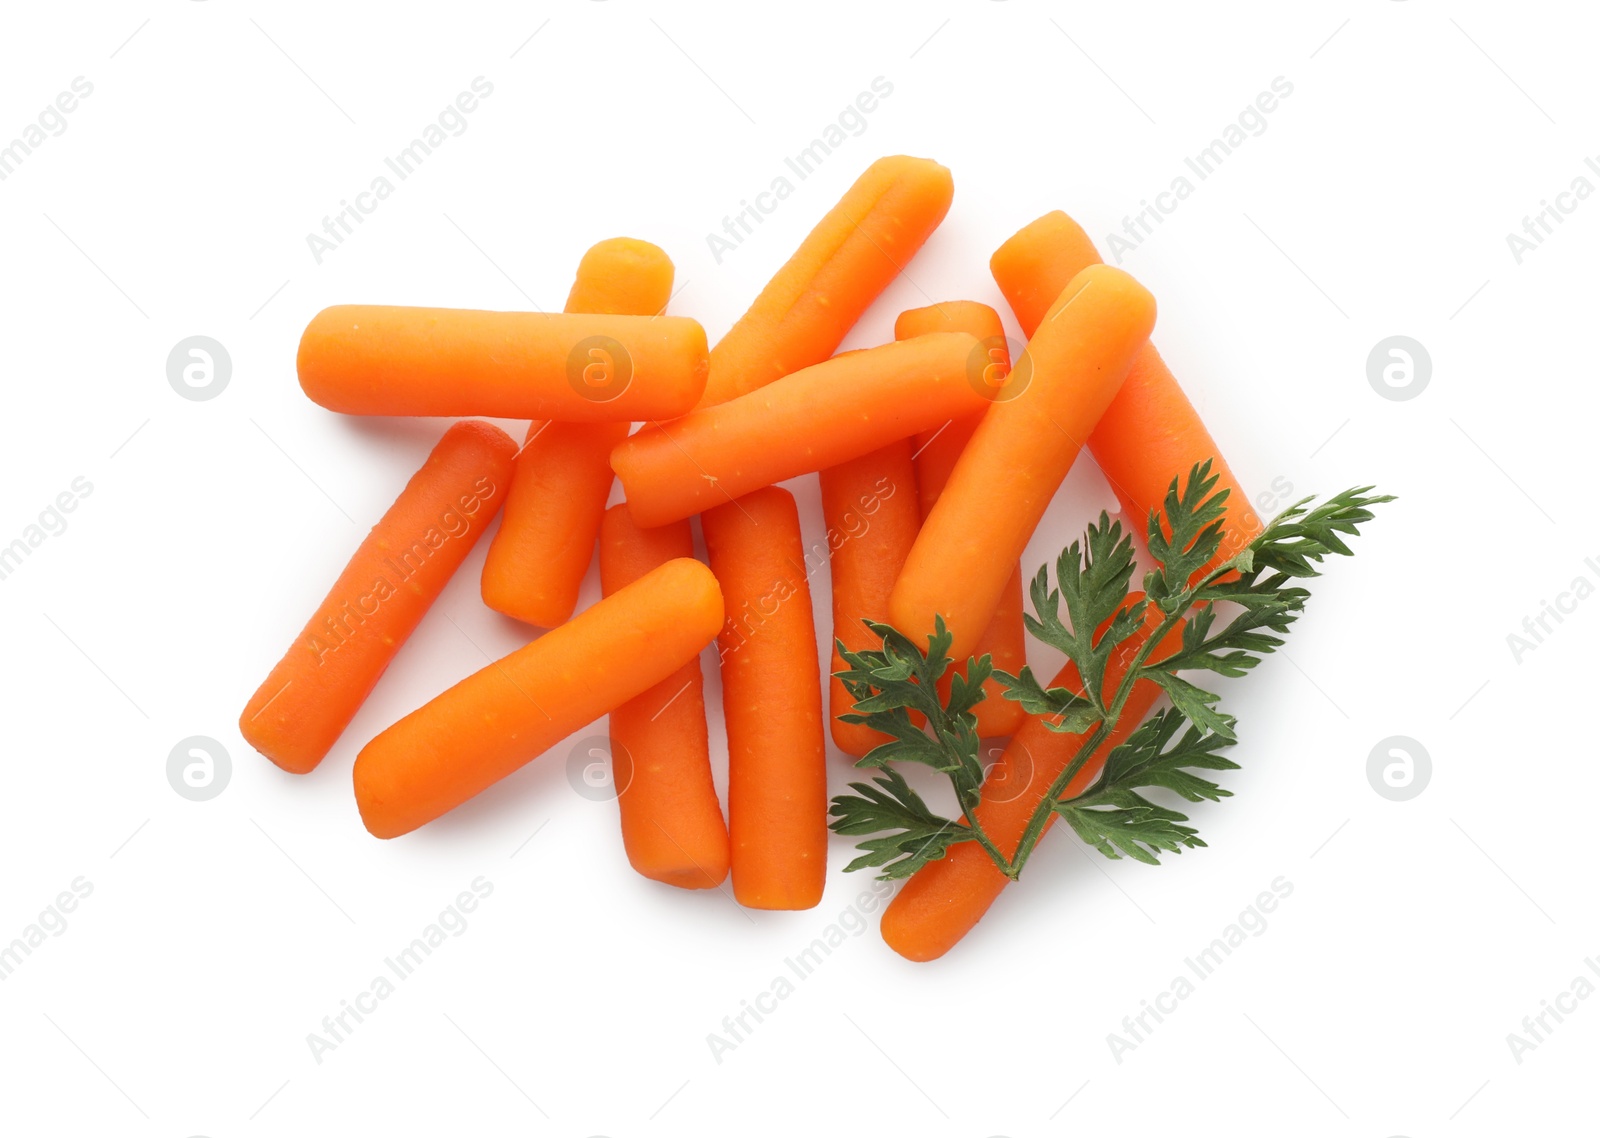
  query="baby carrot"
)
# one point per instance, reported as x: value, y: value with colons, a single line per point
x: 944, y: 899
x: 622, y: 276
x: 771, y: 703
x: 807, y: 308
x: 869, y: 506
x: 1036, y: 263
x: 582, y: 368
x: 399, y: 570
x: 1019, y: 456
x: 962, y: 316
x: 817, y: 417
x: 538, y: 558
x: 813, y: 301
x: 672, y: 826
x: 938, y: 447
x: 1150, y: 434
x: 497, y: 719
x: 936, y: 452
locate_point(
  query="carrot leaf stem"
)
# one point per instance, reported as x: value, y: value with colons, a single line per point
x: 1104, y: 630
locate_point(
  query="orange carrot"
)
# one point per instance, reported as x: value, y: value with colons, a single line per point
x: 622, y: 276
x: 581, y: 368
x: 1019, y: 456
x: 862, y: 244
x: 1029, y: 266
x: 538, y: 558
x: 497, y: 719
x: 771, y: 703
x: 869, y: 505
x: 944, y: 899
x: 815, y: 418
x: 1150, y: 434
x: 936, y: 454
x: 672, y: 825
x: 813, y: 301
x: 399, y: 570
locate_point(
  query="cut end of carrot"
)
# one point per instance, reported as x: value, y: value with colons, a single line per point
x: 1134, y: 300
x: 689, y: 876
x: 933, y: 182
x: 968, y: 316
x: 486, y: 434
x: 282, y: 751
x: 622, y: 276
x: 372, y: 802
x: 910, y: 940
x: 930, y: 915
x: 910, y: 944
x: 503, y: 594
x: 1018, y: 265
x: 776, y: 900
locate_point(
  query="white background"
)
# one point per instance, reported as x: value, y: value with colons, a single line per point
x: 578, y: 1001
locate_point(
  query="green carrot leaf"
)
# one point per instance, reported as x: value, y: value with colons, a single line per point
x: 1190, y: 538
x: 1155, y: 755
x: 1092, y: 584
x: 1062, y: 708
x: 1297, y: 540
x: 1231, y: 612
x: 1256, y: 631
x: 896, y: 691
x: 1261, y: 581
x: 1123, y: 821
x: 1118, y: 821
x: 912, y: 834
x: 1194, y: 703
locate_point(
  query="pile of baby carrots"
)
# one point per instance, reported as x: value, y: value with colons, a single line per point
x: 937, y: 459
